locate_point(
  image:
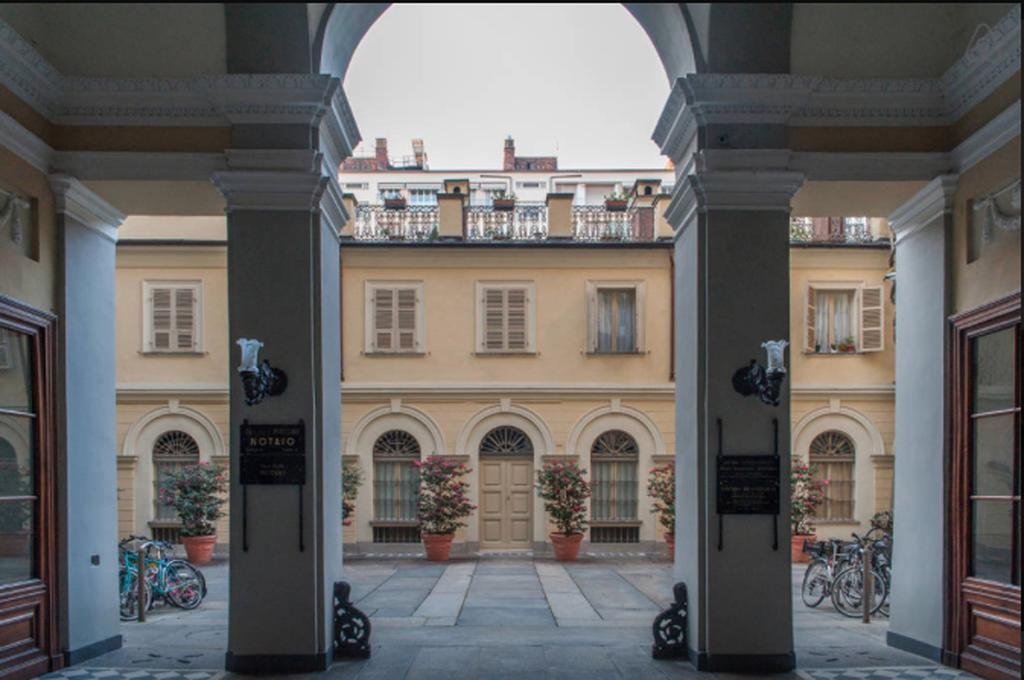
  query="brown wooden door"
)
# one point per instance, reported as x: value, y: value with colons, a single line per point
x: 28, y: 633
x: 506, y: 502
x: 985, y: 504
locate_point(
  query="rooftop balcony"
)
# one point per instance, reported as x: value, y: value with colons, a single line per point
x: 838, y: 231
x: 452, y: 220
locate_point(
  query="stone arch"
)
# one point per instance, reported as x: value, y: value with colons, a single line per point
x: 138, y: 444
x: 396, y: 416
x: 505, y: 413
x: 867, y: 442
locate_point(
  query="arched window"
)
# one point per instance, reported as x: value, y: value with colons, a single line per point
x: 832, y: 456
x: 613, y: 457
x: 396, y: 480
x: 506, y: 441
x: 172, y: 450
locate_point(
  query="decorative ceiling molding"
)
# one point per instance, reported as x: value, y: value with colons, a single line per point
x: 24, y: 144
x: 927, y: 205
x: 993, y: 135
x: 76, y: 201
x: 988, y: 62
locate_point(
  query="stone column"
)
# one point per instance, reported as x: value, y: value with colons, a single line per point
x: 87, y: 228
x: 732, y: 294
x: 923, y: 228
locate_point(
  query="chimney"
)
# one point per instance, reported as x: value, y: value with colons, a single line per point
x: 381, y: 153
x: 510, y: 154
x: 419, y: 154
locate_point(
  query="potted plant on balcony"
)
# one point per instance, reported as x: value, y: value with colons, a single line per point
x: 351, y: 480
x: 806, y: 494
x: 502, y: 200
x: 14, y: 516
x: 661, y: 486
x: 564, y: 491
x: 196, y: 492
x: 616, y: 201
x: 442, y: 505
x: 394, y: 201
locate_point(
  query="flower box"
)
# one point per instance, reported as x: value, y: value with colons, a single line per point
x: 394, y: 203
x: 504, y: 204
x: 615, y: 205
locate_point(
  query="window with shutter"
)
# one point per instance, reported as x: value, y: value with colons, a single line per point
x: 810, y: 321
x: 172, y: 317
x: 615, y: 317
x: 505, y: 319
x: 394, y: 320
x: 872, y: 319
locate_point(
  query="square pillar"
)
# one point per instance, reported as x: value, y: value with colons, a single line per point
x: 283, y: 289
x: 923, y: 228
x: 732, y: 294
x: 87, y: 228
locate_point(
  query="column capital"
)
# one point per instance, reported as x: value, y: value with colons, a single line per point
x: 75, y: 200
x: 760, y: 189
x: 928, y: 204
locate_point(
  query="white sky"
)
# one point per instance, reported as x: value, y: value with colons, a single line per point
x: 579, y: 81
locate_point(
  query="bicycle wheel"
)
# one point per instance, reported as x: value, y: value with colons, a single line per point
x: 129, y: 594
x: 848, y: 592
x: 815, y: 585
x: 185, y: 586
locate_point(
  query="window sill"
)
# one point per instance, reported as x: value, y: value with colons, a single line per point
x: 151, y: 353
x: 836, y: 354
x: 506, y: 354
x: 394, y: 354
x: 635, y: 353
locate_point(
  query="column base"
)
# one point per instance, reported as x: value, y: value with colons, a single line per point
x: 268, y: 664
x: 743, y: 663
x: 73, y: 656
x: 909, y: 644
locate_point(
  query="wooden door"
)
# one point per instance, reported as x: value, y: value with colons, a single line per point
x: 984, y: 631
x: 506, y: 503
x: 28, y: 621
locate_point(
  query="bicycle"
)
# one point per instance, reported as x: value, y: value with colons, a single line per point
x: 828, y: 558
x: 848, y: 584
x: 175, y: 581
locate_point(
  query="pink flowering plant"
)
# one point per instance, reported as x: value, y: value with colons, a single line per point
x: 196, y: 492
x: 442, y: 505
x: 564, y: 492
x: 661, y: 486
x: 806, y: 494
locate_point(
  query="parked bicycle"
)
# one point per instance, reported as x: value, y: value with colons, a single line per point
x: 174, y: 581
x: 848, y: 586
x: 827, y: 559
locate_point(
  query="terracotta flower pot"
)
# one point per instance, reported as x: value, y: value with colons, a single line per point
x: 567, y: 546
x: 438, y: 546
x: 615, y: 206
x: 199, y: 549
x: 670, y: 539
x: 796, y: 547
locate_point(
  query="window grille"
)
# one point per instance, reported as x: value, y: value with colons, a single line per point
x: 614, y: 534
x: 172, y: 451
x: 506, y: 441
x: 396, y: 479
x: 614, y: 479
x: 832, y: 456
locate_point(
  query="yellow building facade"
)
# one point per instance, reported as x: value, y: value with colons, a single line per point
x: 503, y: 354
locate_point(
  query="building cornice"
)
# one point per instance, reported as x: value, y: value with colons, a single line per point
x: 848, y: 391
x: 270, y: 190
x: 150, y: 392
x: 993, y: 135
x: 548, y: 390
x: 24, y: 144
x: 927, y: 205
x: 74, y: 200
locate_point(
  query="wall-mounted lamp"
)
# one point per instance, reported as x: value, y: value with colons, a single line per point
x: 259, y: 380
x: 766, y: 383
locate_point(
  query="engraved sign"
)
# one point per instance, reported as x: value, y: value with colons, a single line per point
x: 272, y: 454
x: 748, y: 485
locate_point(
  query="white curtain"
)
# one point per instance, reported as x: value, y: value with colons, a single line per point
x: 833, y: 323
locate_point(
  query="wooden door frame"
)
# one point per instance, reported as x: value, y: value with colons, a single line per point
x: 1001, y: 313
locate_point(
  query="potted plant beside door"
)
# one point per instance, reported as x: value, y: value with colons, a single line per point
x: 564, y: 491
x: 806, y: 494
x: 196, y: 492
x: 661, y: 486
x: 442, y: 505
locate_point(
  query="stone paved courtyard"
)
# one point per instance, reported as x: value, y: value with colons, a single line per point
x: 503, y: 618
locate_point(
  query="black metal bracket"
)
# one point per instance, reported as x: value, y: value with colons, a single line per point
x: 669, y: 627
x: 351, y: 626
x: 755, y: 379
x: 263, y: 382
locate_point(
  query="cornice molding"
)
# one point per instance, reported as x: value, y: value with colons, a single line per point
x: 24, y: 144
x: 927, y: 205
x: 138, y: 165
x: 161, y: 392
x: 583, y: 390
x: 270, y: 190
x: 993, y: 135
x: 989, y: 61
x: 848, y: 391
x: 74, y: 200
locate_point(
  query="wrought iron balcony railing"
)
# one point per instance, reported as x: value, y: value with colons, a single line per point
x: 837, y: 230
x: 412, y: 223
x: 525, y: 222
x: 596, y: 223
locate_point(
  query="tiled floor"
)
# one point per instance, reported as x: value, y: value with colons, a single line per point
x: 504, y: 617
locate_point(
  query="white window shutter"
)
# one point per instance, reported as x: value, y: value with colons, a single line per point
x: 872, y: 319
x: 406, y: 319
x: 592, y: 314
x: 810, y: 321
x: 184, y: 319
x: 383, y: 319
x: 161, y: 308
x: 493, y: 319
x: 516, y: 311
